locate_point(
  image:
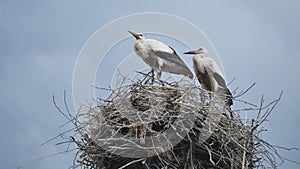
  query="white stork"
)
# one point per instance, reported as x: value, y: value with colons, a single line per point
x: 209, y: 74
x: 159, y: 56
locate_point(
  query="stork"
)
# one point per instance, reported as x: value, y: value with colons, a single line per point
x: 159, y: 56
x: 209, y: 74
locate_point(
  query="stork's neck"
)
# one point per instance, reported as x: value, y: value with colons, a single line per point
x: 201, y: 55
x: 141, y: 39
x: 139, y: 44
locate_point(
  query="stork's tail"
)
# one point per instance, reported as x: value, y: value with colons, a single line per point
x: 229, y: 98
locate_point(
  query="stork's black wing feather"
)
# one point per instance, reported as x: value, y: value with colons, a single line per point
x: 222, y: 83
x: 220, y: 80
x: 229, y: 97
x: 173, y: 50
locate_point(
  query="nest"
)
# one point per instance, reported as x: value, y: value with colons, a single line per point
x: 169, y: 126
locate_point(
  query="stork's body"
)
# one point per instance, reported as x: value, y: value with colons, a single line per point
x: 159, y: 56
x: 209, y: 74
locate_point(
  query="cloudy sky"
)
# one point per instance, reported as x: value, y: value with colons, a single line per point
x: 40, y: 40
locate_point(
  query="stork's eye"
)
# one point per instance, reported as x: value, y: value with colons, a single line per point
x: 201, y: 49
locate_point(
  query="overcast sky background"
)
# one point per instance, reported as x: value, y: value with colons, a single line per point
x: 40, y: 40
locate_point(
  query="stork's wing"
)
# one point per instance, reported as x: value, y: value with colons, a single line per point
x: 220, y: 80
x: 222, y: 83
x: 171, y: 57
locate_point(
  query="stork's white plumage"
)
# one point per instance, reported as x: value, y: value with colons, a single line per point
x: 209, y: 73
x: 159, y: 56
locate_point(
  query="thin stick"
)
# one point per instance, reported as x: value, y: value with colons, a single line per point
x: 132, y: 162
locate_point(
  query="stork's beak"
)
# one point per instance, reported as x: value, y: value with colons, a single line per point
x: 134, y: 34
x: 191, y: 52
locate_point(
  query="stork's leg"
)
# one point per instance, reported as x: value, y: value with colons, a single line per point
x: 159, y: 75
x: 152, y: 76
x: 152, y: 73
x: 212, y: 98
x: 205, y: 98
x: 202, y: 95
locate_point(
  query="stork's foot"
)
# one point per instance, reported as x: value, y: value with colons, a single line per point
x: 150, y: 76
x: 162, y: 82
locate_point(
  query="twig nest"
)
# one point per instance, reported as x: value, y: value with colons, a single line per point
x: 214, y: 139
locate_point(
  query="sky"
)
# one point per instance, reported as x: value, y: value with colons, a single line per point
x: 257, y: 41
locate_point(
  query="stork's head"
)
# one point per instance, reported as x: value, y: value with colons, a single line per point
x: 137, y: 35
x: 201, y: 51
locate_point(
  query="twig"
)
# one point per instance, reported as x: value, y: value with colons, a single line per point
x: 132, y: 162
